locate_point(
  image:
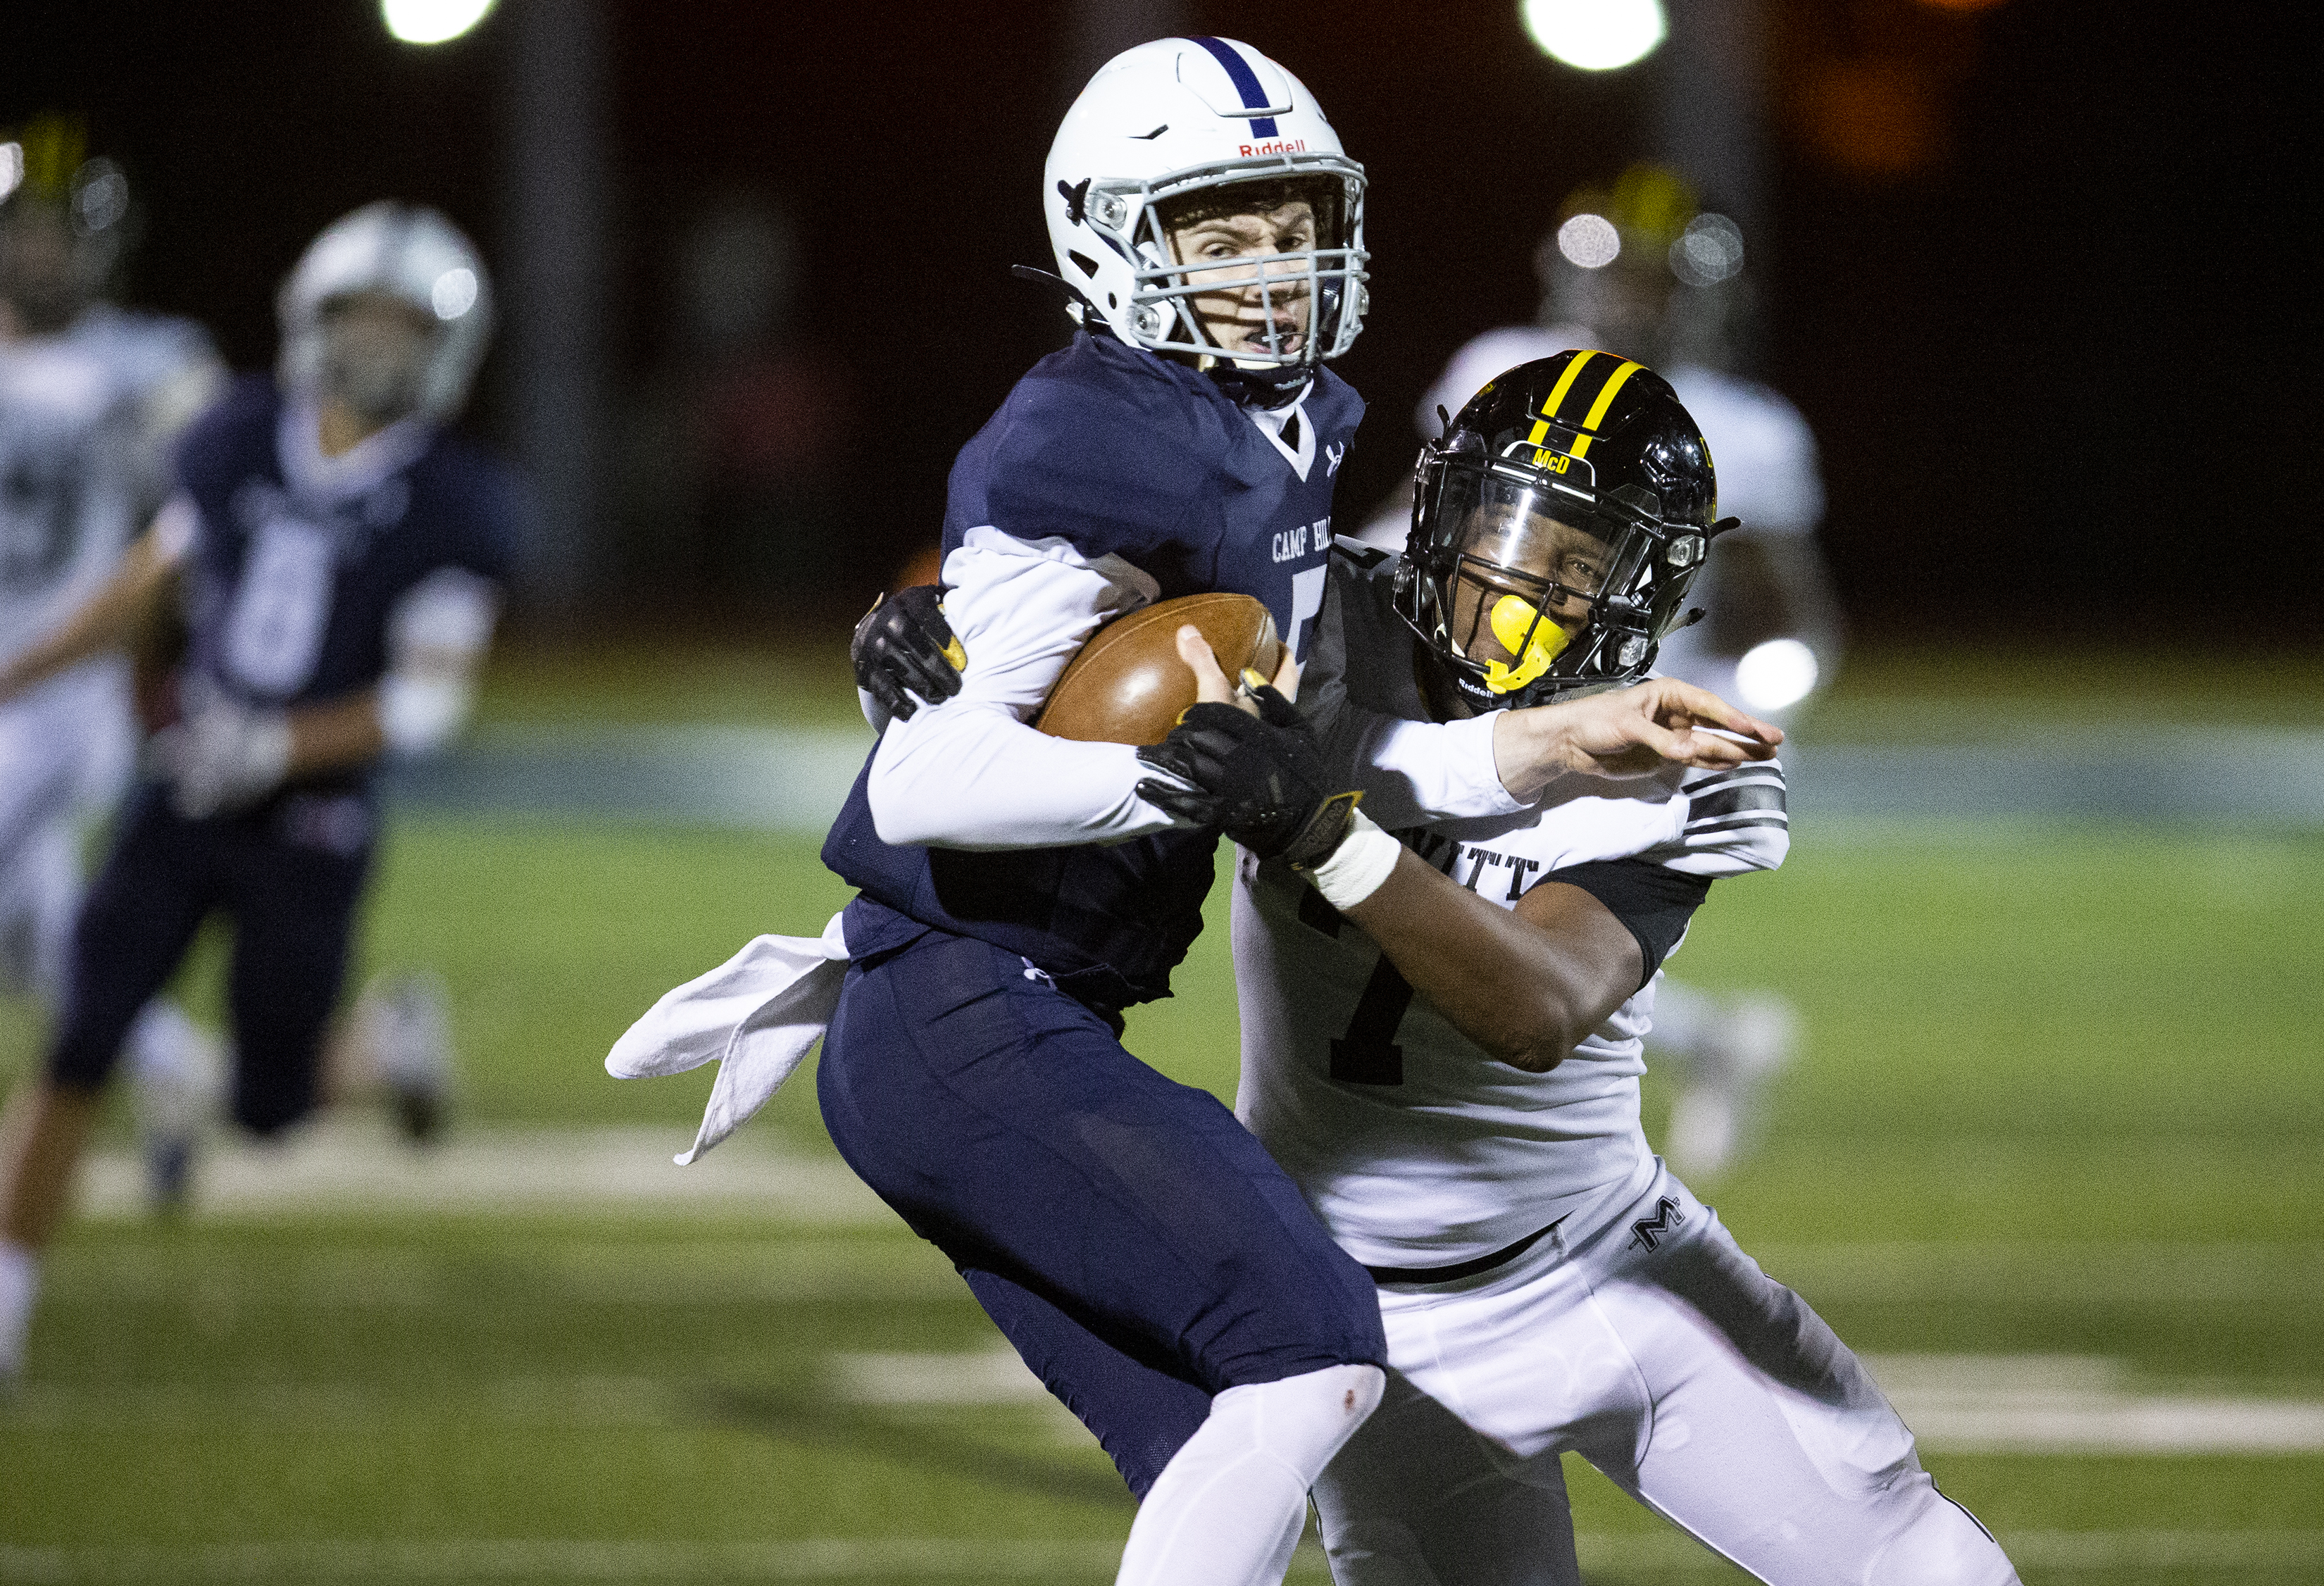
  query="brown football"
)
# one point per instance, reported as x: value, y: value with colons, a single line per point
x: 1128, y: 685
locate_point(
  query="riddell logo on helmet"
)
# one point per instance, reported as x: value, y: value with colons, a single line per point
x: 1289, y: 146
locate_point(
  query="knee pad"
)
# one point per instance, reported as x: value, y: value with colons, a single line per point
x: 1303, y: 1420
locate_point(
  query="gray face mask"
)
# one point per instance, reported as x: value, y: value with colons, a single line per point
x: 376, y: 369
x: 48, y: 275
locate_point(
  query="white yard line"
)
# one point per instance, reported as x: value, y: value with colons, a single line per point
x: 993, y: 1376
x: 1955, y: 1404
x: 353, y: 1165
x: 2076, y: 1404
x: 2278, y: 1553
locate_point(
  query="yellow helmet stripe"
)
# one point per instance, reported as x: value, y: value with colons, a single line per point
x: 1620, y: 378
x: 1556, y: 396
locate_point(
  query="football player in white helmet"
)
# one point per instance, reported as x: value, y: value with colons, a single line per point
x: 1017, y: 891
x: 1641, y: 269
x: 341, y: 555
x: 92, y: 396
x: 1159, y: 166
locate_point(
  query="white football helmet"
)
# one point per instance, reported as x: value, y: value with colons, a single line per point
x: 410, y: 252
x: 1172, y: 118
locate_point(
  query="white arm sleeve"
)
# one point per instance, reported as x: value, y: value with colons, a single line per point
x: 970, y: 772
x: 1410, y: 770
x: 436, y: 636
x: 1416, y: 771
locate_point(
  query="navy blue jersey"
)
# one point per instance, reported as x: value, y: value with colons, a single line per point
x: 292, y: 580
x: 1118, y: 453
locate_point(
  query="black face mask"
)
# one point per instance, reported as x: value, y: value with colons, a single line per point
x: 44, y: 299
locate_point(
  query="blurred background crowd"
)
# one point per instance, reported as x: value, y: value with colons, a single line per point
x: 2019, y: 265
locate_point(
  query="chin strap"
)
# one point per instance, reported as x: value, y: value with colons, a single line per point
x: 1084, y: 310
x: 1268, y: 388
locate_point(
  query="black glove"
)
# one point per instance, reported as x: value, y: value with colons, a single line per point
x: 1261, y: 779
x: 904, y: 644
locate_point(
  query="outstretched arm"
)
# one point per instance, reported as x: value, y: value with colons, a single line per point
x: 115, y: 611
x: 1415, y: 770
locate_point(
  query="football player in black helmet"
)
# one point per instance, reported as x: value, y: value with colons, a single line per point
x: 1557, y: 525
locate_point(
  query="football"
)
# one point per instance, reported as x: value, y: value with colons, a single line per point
x: 1127, y: 685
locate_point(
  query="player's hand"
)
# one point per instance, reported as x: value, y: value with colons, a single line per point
x: 1213, y: 686
x: 222, y: 758
x: 904, y: 647
x: 1249, y: 767
x: 1631, y: 732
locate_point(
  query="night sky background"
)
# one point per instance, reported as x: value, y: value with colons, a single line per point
x: 2060, y: 369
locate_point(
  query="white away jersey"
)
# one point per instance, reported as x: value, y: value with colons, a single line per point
x: 85, y: 417
x: 1415, y: 1148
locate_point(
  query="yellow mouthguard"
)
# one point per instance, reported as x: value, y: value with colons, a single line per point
x: 1512, y: 619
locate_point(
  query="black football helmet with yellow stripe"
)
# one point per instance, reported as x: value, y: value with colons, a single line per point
x: 1557, y: 526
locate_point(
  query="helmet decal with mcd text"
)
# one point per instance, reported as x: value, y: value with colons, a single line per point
x: 1611, y: 376
x: 1557, y: 527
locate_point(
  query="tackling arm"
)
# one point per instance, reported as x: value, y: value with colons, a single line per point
x: 1413, y: 771
x: 1526, y: 984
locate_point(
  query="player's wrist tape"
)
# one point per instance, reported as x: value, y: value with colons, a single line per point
x: 1359, y: 867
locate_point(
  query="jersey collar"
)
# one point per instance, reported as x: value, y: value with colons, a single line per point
x: 1290, y: 430
x: 314, y: 477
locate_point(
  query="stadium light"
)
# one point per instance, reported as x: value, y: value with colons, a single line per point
x: 431, y: 22
x: 1779, y: 673
x: 1596, y: 35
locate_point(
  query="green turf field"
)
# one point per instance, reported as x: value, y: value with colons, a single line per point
x: 2060, y: 1100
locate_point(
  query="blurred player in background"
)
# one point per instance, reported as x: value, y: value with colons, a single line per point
x: 342, y: 558
x: 91, y: 398
x: 1641, y: 270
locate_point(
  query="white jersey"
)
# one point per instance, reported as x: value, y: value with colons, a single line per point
x: 1415, y: 1148
x: 85, y: 417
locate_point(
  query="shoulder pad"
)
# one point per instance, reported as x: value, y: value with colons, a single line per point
x: 1361, y: 557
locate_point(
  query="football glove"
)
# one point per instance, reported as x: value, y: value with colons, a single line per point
x: 904, y: 647
x: 1261, y: 779
x: 222, y: 758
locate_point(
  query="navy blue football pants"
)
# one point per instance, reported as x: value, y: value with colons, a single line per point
x: 1133, y: 1242
x: 290, y: 886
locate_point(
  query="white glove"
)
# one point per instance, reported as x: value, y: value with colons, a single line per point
x: 224, y: 757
